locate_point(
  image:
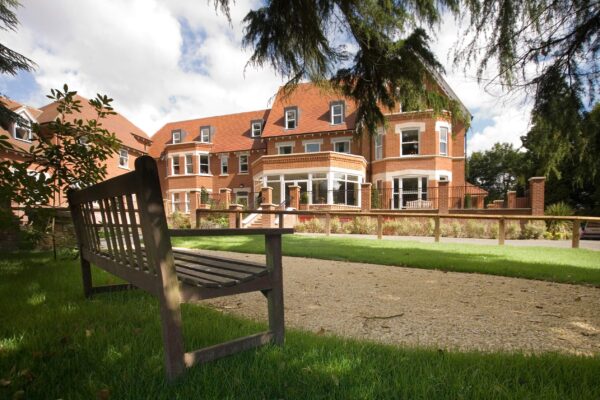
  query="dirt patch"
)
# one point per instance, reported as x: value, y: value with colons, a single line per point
x: 430, y: 308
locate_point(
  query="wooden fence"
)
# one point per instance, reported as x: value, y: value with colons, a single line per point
x: 380, y: 216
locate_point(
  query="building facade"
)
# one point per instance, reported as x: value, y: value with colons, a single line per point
x: 308, y: 139
x: 135, y: 142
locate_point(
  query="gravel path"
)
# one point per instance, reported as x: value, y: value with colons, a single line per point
x: 430, y: 308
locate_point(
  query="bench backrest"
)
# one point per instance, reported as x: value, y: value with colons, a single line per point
x: 121, y: 226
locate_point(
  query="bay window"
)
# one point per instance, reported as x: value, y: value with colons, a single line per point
x: 189, y: 164
x: 204, y: 168
x: 444, y: 141
x: 409, y: 142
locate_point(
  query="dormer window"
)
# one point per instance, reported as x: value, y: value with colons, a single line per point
x: 23, y: 132
x: 291, y: 118
x: 256, y: 128
x: 205, y: 134
x: 176, y: 137
x: 337, y: 113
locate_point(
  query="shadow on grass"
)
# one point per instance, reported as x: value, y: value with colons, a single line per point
x: 69, y: 347
x: 550, y: 264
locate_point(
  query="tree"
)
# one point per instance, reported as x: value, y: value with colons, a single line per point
x: 497, y: 170
x: 11, y: 62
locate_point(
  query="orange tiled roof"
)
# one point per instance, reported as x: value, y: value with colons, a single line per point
x: 15, y: 105
x: 313, y: 108
x: 121, y: 126
x: 231, y: 132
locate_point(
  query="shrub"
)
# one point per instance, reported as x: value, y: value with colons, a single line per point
x: 391, y: 228
x: 475, y: 229
x: 559, y: 229
x: 513, y: 230
x: 336, y: 225
x: 452, y: 229
x: 533, y: 230
x: 180, y: 221
x: 313, y: 225
x: 362, y: 225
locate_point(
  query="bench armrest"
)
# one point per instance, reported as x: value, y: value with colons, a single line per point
x: 230, y: 232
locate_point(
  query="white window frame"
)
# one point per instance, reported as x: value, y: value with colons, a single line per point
x: 378, y: 146
x: 247, y: 163
x: 418, y: 142
x: 173, y: 158
x: 307, y: 143
x: 342, y: 140
x: 339, y: 114
x: 124, y: 165
x: 444, y: 140
x: 254, y: 131
x: 173, y: 133
x: 188, y: 161
x: 200, y: 164
x: 186, y: 202
x: 175, y: 204
x: 17, y: 126
x: 284, y: 144
x: 224, y: 163
x: 288, y: 120
x: 205, y: 131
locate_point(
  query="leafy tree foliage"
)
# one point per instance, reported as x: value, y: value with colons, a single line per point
x: 497, y: 170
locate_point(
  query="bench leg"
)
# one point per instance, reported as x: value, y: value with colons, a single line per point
x: 170, y: 314
x: 86, y: 275
x: 275, y: 294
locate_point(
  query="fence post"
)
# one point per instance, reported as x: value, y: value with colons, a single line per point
x: 294, y: 197
x: 501, y: 231
x: 197, y: 219
x: 536, y: 194
x: 436, y: 229
x: 379, y: 226
x: 327, y: 224
x: 575, y: 237
x: 225, y: 197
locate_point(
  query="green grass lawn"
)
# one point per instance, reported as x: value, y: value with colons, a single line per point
x: 545, y: 263
x: 55, y: 344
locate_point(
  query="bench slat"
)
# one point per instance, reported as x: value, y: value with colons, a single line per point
x: 226, y: 263
x: 205, y: 279
x: 238, y: 276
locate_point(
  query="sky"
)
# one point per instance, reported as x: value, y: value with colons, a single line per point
x: 177, y: 60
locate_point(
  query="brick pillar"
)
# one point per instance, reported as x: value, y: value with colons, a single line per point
x: 386, y: 196
x: 194, y: 201
x: 511, y: 197
x: 268, y: 220
x: 233, y: 217
x: 365, y: 200
x: 536, y: 194
x: 295, y: 197
x: 225, y: 197
x: 443, y: 197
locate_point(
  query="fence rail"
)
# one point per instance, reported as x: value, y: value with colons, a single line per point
x: 438, y: 218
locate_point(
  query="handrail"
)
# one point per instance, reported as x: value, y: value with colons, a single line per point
x: 418, y: 215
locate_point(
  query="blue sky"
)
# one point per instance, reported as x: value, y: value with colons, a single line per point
x: 167, y: 61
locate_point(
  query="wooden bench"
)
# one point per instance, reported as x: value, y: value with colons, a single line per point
x: 121, y: 227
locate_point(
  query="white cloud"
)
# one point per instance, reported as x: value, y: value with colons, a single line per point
x: 505, y: 116
x: 134, y: 51
x: 165, y: 61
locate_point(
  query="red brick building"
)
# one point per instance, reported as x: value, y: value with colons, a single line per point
x: 308, y: 139
x: 135, y: 142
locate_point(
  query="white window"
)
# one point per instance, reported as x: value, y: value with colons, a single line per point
x: 175, y: 165
x: 205, y: 134
x: 291, y: 118
x: 123, y: 158
x: 224, y: 165
x: 187, y: 202
x: 410, y: 142
x: 175, y: 202
x: 23, y: 132
x: 443, y: 141
x: 241, y: 198
x: 379, y: 145
x: 256, y: 128
x: 243, y: 163
x: 204, y: 167
x: 176, y: 136
x: 337, y: 113
x: 342, y: 146
x: 285, y: 149
x: 312, y: 147
x: 189, y: 164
